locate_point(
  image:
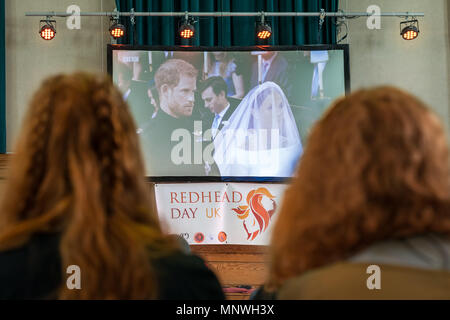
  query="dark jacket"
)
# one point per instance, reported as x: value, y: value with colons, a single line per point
x: 278, y: 73
x: 209, y: 121
x: 33, y: 271
x: 157, y: 147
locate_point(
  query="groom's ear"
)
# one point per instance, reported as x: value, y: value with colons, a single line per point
x: 164, y: 89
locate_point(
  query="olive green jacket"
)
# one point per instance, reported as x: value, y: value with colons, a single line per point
x: 351, y: 281
x: 412, y: 268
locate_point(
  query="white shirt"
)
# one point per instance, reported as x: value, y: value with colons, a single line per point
x: 217, y: 120
x: 222, y: 114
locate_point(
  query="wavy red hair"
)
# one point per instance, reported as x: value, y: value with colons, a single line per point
x: 376, y: 167
x: 78, y: 171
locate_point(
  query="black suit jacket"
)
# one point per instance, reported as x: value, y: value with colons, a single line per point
x: 207, y: 124
x: 209, y: 121
x: 278, y: 73
x: 157, y: 147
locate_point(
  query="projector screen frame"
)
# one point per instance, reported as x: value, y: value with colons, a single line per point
x: 175, y: 179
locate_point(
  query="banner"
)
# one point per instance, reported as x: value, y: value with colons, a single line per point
x: 219, y: 213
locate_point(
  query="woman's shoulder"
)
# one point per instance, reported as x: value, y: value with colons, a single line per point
x: 179, y: 259
x: 349, y: 280
x: 32, y: 270
x: 184, y: 276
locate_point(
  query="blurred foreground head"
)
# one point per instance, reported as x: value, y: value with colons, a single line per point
x: 77, y: 171
x: 376, y: 167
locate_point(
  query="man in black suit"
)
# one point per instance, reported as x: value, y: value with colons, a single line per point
x: 214, y: 94
x: 275, y: 68
x: 169, y: 145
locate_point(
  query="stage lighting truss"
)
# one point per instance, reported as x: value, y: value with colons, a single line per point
x: 409, y: 29
x: 187, y: 29
x: 47, y: 29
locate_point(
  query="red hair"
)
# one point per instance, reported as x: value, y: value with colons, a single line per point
x: 376, y: 167
x: 78, y: 171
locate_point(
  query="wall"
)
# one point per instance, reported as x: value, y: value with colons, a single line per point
x: 376, y: 56
x: 30, y: 59
x: 421, y: 66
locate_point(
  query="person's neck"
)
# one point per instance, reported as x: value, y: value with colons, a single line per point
x: 268, y: 59
x: 225, y: 105
x: 165, y: 108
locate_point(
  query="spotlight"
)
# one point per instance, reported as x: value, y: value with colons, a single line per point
x: 409, y: 29
x: 116, y: 30
x: 263, y: 31
x: 187, y: 30
x: 47, y: 30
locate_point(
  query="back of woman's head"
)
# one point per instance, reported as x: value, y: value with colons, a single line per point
x: 376, y: 167
x: 77, y: 171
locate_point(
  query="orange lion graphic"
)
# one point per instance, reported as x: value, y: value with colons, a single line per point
x: 256, y: 217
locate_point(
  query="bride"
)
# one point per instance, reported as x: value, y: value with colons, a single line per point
x: 261, y: 138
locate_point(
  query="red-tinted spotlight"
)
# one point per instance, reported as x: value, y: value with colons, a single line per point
x: 409, y: 29
x: 117, y: 31
x: 263, y: 31
x: 47, y: 31
x: 187, y: 31
x: 410, y: 33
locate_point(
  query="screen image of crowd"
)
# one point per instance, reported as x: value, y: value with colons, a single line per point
x: 237, y: 114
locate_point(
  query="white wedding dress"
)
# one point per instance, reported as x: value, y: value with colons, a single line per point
x: 261, y: 138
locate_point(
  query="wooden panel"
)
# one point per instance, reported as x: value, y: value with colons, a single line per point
x: 236, y: 265
x: 228, y: 248
x: 248, y: 257
x: 4, y: 161
x: 237, y: 296
x: 239, y: 273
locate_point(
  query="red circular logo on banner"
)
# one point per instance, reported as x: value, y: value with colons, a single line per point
x: 199, y: 237
x: 222, y: 236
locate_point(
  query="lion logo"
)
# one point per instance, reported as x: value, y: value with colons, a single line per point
x: 255, y: 216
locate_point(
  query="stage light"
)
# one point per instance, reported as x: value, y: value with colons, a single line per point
x: 117, y: 30
x: 47, y: 30
x: 263, y: 31
x: 186, y: 31
x: 409, y: 29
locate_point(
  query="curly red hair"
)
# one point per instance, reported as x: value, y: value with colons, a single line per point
x: 77, y: 171
x: 376, y: 167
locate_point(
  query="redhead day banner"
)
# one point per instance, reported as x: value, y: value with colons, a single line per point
x: 219, y: 213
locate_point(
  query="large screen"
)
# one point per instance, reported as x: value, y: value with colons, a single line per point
x: 229, y: 114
